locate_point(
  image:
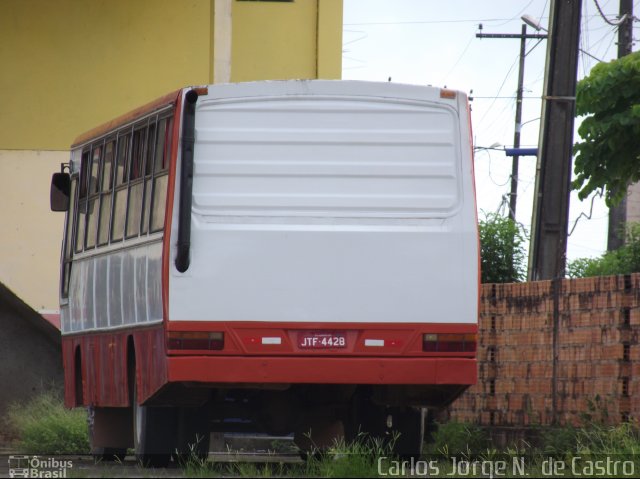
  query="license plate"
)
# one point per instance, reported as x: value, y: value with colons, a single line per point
x: 321, y: 340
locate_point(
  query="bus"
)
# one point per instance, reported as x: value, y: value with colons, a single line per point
x: 285, y: 257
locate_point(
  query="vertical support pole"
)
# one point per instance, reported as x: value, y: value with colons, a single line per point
x: 516, y: 136
x: 553, y: 179
x: 556, y: 291
x: 222, y: 30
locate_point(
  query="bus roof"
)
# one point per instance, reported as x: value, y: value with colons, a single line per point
x: 98, y: 131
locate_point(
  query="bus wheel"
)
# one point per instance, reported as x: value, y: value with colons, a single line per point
x: 400, y: 430
x: 194, y: 430
x: 317, y: 434
x: 154, y: 430
x: 106, y: 427
x: 408, y: 429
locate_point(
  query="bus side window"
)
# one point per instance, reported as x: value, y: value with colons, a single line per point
x: 105, y: 194
x: 120, y: 187
x: 81, y: 211
x: 68, y: 239
x: 136, y: 184
x: 94, y: 196
x: 148, y: 175
x: 160, y: 174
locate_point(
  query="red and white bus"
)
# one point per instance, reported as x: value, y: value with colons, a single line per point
x: 285, y: 257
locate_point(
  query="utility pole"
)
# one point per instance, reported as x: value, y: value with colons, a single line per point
x: 550, y: 220
x: 518, y: 127
x: 518, y: 122
x: 618, y: 214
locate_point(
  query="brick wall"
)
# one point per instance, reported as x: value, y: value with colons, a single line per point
x: 552, y: 351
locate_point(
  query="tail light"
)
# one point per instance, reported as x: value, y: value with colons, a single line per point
x: 449, y: 343
x: 195, y: 340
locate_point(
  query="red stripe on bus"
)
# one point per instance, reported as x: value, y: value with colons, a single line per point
x: 260, y: 370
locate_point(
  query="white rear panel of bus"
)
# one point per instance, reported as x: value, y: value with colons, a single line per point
x: 318, y: 201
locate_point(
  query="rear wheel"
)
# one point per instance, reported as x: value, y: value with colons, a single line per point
x: 408, y: 425
x: 400, y: 429
x: 316, y: 432
x: 154, y: 431
x: 101, y: 453
x: 194, y: 431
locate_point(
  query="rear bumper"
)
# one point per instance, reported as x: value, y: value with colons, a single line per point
x: 324, y: 370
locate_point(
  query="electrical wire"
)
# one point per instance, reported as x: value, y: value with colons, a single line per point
x: 362, y: 36
x: 615, y: 24
x: 504, y: 81
x: 516, y: 16
x: 458, y: 60
x: 583, y: 215
x: 584, y: 41
x: 487, y: 150
x: 429, y: 22
x: 505, y: 207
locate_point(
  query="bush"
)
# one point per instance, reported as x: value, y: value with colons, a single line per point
x: 502, y: 252
x: 624, y: 260
x: 44, y: 426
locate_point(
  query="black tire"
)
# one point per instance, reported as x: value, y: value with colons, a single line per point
x: 194, y: 432
x: 101, y: 454
x: 401, y: 430
x: 409, y: 423
x: 154, y: 433
x: 365, y: 420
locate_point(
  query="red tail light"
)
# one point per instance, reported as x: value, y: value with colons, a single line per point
x: 195, y: 340
x: 449, y: 343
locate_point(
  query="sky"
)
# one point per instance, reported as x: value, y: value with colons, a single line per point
x: 431, y: 42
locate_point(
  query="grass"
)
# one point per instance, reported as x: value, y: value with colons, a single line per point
x: 458, y: 439
x: 356, y: 459
x: 44, y: 426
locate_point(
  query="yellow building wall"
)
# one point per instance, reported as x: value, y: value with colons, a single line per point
x: 329, y: 54
x: 70, y: 65
x: 31, y: 234
x: 284, y: 40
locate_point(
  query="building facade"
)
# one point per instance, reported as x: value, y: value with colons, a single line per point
x: 71, y: 65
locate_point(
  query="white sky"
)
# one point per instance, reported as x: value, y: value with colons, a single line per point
x: 433, y: 42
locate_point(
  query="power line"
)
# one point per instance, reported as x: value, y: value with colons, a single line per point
x: 430, y: 22
x: 458, y: 60
x: 505, y: 97
x: 620, y: 21
x: 435, y: 22
x: 504, y: 81
x: 583, y: 214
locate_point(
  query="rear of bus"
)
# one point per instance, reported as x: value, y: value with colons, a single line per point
x: 329, y: 275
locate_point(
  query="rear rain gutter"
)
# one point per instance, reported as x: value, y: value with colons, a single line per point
x: 186, y: 181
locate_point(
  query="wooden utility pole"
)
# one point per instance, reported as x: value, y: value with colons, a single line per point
x: 516, y: 135
x: 618, y: 214
x: 550, y: 220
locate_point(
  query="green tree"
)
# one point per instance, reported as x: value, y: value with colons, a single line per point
x: 624, y: 260
x: 502, y: 252
x: 607, y: 158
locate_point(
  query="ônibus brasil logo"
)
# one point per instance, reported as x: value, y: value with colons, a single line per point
x: 36, y: 466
